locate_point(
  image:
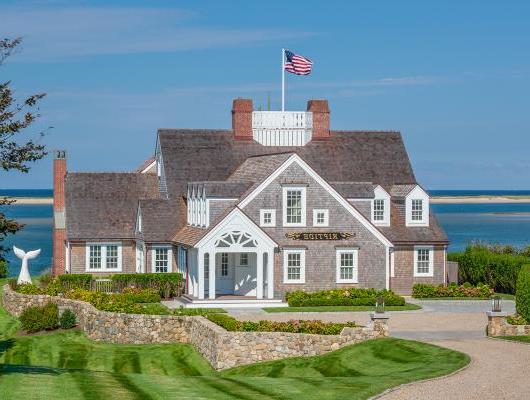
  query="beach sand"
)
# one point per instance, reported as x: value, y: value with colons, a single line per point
x: 434, y: 200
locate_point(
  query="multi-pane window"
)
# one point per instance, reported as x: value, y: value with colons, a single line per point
x: 268, y: 217
x: 423, y: 263
x: 112, y: 257
x: 294, y: 266
x: 294, y: 207
x: 379, y: 210
x: 320, y: 217
x: 103, y: 257
x: 417, y: 209
x: 95, y: 257
x: 347, y: 266
x: 161, y: 259
x: 207, y: 266
x: 224, y: 264
x: 243, y: 259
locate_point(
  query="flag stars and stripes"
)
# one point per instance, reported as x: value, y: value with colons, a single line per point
x: 297, y: 64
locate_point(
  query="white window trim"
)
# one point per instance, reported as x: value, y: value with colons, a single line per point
x: 302, y: 189
x: 169, y: 258
x: 381, y: 194
x: 355, y: 253
x: 431, y: 261
x: 417, y: 194
x: 302, y: 265
x: 262, y: 217
x: 326, y: 217
x: 103, y: 257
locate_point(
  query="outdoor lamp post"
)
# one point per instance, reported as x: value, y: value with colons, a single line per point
x: 496, y: 304
x: 380, y: 305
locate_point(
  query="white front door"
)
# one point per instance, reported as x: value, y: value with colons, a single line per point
x: 140, y: 259
x: 224, y: 273
x: 245, y: 274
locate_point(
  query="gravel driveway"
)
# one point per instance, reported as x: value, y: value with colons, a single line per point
x: 499, y: 369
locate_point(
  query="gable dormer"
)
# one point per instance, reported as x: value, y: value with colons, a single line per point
x: 380, y: 211
x: 417, y: 207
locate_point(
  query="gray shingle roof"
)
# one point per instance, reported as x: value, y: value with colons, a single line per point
x: 227, y: 189
x: 104, y: 205
x: 355, y: 190
x: 160, y: 218
x: 347, y: 156
x: 401, y: 190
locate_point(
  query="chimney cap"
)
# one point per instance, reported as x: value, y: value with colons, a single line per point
x: 60, y: 154
x: 318, y: 105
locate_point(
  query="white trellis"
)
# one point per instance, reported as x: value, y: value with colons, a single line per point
x: 237, y: 239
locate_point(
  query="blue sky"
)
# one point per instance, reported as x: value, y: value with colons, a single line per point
x: 454, y: 78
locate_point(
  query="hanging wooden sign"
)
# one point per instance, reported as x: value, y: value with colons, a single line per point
x: 318, y: 235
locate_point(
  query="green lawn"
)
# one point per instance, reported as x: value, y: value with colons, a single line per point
x: 524, y: 339
x: 406, y: 307
x: 66, y: 365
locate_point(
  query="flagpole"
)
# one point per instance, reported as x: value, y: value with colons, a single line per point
x: 283, y: 79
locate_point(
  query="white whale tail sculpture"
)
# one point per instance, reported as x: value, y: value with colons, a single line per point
x: 24, y: 277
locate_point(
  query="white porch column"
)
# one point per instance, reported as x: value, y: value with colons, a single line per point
x: 270, y: 274
x: 211, y: 275
x: 200, y: 277
x: 259, y: 275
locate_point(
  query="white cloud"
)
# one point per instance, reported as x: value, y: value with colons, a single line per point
x: 59, y: 33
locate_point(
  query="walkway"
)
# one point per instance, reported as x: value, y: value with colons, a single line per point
x: 498, y: 370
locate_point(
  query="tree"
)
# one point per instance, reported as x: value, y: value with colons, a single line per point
x: 16, y: 152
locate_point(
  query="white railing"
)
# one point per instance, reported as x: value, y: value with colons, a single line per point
x: 282, y: 128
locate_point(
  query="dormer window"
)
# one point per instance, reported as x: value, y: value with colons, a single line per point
x: 417, y: 207
x: 381, y: 207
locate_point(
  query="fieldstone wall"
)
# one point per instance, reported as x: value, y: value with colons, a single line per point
x: 499, y: 326
x: 223, y: 349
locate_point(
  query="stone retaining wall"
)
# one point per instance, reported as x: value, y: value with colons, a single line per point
x: 223, y: 349
x: 499, y: 326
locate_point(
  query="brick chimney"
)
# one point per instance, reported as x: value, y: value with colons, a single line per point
x: 320, y: 110
x: 59, y: 225
x: 242, y: 119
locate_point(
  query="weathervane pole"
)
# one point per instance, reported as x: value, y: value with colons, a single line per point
x: 283, y: 80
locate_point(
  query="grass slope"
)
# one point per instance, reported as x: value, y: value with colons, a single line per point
x: 66, y: 365
x: 406, y: 307
x: 524, y: 339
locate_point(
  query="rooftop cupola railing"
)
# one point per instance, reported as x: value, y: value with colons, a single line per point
x: 282, y: 128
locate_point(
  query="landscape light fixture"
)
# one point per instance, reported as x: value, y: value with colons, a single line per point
x: 496, y: 304
x: 380, y: 305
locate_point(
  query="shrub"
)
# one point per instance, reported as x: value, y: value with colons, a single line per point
x: 3, y: 269
x: 67, y: 319
x: 142, y: 295
x: 35, y: 319
x: 343, y: 297
x: 517, y: 320
x: 45, y: 279
x: 167, y: 285
x: 294, y: 326
x: 496, y: 266
x: 197, y: 311
x: 75, y: 281
x: 522, y: 294
x: 422, y: 290
x: 28, y: 288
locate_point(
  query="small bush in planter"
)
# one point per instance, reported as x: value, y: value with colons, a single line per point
x: 35, y: 319
x: 67, y: 319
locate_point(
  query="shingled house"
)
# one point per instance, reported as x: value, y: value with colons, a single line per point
x: 278, y: 203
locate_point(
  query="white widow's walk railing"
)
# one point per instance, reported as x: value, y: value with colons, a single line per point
x: 282, y: 128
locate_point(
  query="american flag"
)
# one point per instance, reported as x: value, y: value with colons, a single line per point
x: 296, y: 64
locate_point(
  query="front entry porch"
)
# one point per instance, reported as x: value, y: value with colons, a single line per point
x: 235, y: 258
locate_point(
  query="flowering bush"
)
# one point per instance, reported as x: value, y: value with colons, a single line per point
x: 422, y: 290
x: 343, y: 297
x: 294, y: 326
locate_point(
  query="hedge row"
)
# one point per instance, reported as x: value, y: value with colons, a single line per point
x: 167, y: 285
x: 522, y: 295
x: 343, y: 297
x: 481, y: 264
x: 295, y: 326
x: 422, y: 290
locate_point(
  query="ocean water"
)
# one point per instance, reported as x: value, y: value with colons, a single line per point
x: 494, y: 223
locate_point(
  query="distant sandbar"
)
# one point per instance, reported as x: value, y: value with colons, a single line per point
x: 32, y: 200
x: 479, y: 199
